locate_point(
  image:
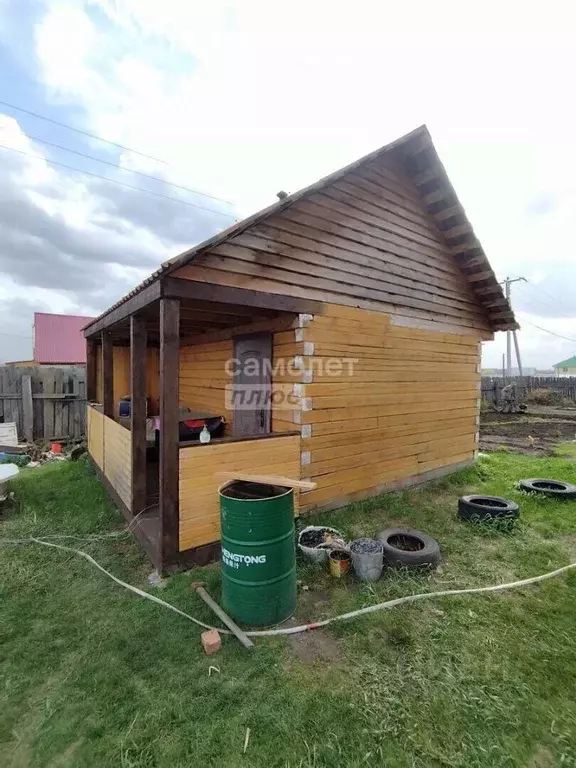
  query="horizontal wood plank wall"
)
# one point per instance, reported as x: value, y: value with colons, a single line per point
x: 110, y: 446
x: 95, y: 435
x: 364, y: 241
x: 203, y: 378
x: 404, y: 402
x: 199, y: 500
x: 118, y: 459
x: 121, y: 361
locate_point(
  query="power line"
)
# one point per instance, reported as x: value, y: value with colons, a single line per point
x: 557, y: 302
x: 539, y: 302
x: 552, y: 333
x: 128, y: 170
x: 119, y: 183
x: 84, y: 133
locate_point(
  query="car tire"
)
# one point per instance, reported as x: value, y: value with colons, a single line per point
x: 554, y: 488
x: 409, y: 548
x: 478, y: 509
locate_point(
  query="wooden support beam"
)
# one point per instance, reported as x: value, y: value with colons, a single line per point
x: 459, y: 229
x: 282, y: 323
x: 138, y: 410
x: 425, y: 176
x: 182, y: 288
x: 125, y: 309
x: 434, y: 197
x: 91, y: 353
x: 447, y: 213
x: 169, y: 410
x: 476, y: 277
x: 472, y: 245
x: 107, y: 374
x: 496, y: 288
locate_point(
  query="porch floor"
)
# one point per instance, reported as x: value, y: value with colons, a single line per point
x: 148, y: 525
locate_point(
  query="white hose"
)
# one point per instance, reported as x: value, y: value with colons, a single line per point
x: 313, y: 625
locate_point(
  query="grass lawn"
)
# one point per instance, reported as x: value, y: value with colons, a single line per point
x: 92, y: 675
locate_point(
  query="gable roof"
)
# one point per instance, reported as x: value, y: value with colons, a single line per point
x: 570, y: 363
x: 58, y: 339
x: 419, y: 157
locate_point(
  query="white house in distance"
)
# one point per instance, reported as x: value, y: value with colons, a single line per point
x: 566, y: 367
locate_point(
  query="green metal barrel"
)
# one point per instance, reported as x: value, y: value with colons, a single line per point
x: 258, y: 553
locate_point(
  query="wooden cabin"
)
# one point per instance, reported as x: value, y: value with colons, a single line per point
x: 360, y: 304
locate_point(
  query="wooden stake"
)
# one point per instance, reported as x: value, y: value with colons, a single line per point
x: 198, y: 587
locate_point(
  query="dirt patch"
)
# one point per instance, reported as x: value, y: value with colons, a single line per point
x: 535, y: 412
x: 540, y: 447
x: 316, y: 644
x: 533, y: 435
x: 312, y: 604
x: 554, y: 429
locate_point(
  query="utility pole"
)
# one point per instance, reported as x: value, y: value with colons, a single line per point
x: 509, y: 334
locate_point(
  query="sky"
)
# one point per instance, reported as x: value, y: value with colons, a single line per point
x: 226, y: 102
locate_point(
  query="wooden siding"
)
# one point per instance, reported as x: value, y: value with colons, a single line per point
x: 110, y: 446
x: 203, y: 378
x: 95, y: 435
x: 409, y: 407
x: 118, y: 459
x: 199, y: 500
x: 364, y: 241
x: 121, y: 359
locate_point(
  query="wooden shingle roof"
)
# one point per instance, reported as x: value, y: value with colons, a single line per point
x: 419, y: 157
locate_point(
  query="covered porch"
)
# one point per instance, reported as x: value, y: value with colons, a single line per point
x: 177, y: 350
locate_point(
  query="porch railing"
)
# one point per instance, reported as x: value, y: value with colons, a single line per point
x: 198, y: 465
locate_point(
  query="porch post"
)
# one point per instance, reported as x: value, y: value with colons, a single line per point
x: 169, y: 412
x: 138, y: 353
x: 91, y: 352
x: 107, y: 374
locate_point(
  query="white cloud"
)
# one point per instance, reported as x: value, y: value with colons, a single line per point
x: 246, y: 97
x: 73, y: 244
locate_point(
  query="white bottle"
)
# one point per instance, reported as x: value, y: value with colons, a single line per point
x: 205, y: 435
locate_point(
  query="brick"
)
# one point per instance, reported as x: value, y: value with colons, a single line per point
x: 211, y: 641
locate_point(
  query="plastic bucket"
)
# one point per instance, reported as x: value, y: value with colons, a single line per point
x: 367, y: 558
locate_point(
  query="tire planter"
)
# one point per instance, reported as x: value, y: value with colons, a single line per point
x: 480, y: 509
x: 409, y: 548
x: 555, y: 488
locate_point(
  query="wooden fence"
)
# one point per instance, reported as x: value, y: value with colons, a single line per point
x: 563, y: 386
x: 45, y: 403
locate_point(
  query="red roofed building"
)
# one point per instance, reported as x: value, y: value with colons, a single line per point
x: 58, y: 339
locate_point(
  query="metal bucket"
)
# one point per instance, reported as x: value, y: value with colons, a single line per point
x: 258, y: 552
x: 367, y: 558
